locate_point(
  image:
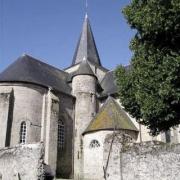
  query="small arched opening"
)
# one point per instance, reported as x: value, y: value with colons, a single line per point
x: 94, y: 144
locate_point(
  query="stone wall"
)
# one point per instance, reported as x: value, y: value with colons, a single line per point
x: 22, y: 162
x: 65, y: 154
x: 4, y: 117
x: 93, y: 157
x: 40, y: 108
x: 84, y: 89
x: 96, y: 158
x: 26, y: 106
x: 147, y: 161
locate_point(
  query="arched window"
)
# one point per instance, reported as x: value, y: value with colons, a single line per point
x: 23, y: 132
x: 61, y: 134
x: 94, y: 144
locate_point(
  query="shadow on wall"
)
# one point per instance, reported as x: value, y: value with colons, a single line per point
x: 10, y: 119
x: 64, y: 154
x: 48, y: 172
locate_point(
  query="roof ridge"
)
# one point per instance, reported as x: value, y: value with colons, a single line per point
x: 116, y: 118
x: 100, y: 67
x: 106, y: 75
x: 42, y: 62
x: 28, y: 69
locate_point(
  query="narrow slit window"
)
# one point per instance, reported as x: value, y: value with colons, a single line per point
x: 61, y: 134
x: 168, y: 136
x: 23, y: 132
x: 94, y: 144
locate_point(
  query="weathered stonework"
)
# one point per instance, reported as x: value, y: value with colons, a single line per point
x: 41, y: 109
x: 97, y: 159
x: 27, y: 107
x: 84, y: 89
x: 5, y: 107
x: 22, y: 162
x: 65, y: 155
x: 150, y: 160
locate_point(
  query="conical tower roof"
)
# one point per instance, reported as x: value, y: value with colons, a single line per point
x: 86, y: 47
x: 84, y: 69
x: 111, y: 116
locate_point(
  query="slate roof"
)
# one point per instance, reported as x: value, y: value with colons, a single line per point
x: 30, y: 70
x: 111, y: 116
x: 86, y: 47
x: 108, y: 84
x: 84, y: 69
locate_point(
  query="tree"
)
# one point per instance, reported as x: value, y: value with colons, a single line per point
x: 150, y: 89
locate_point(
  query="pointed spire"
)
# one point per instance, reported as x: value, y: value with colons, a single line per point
x: 86, y: 46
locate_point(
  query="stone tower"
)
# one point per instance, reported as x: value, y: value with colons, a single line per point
x: 84, y: 88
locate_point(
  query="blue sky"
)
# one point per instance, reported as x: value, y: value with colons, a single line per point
x: 49, y: 30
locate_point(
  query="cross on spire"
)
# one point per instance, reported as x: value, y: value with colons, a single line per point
x: 86, y: 7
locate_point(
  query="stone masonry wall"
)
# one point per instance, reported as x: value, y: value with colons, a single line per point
x: 22, y: 162
x: 64, y: 155
x: 147, y: 161
x: 4, y: 107
x: 27, y: 107
x: 84, y: 89
x: 97, y: 159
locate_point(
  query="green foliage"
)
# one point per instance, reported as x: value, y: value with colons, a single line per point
x: 153, y: 82
x: 127, y: 91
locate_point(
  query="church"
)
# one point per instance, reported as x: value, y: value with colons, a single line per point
x: 73, y: 112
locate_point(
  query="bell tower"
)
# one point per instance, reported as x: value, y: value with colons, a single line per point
x: 84, y: 88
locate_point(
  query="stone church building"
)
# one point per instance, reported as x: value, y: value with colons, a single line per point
x: 72, y: 111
